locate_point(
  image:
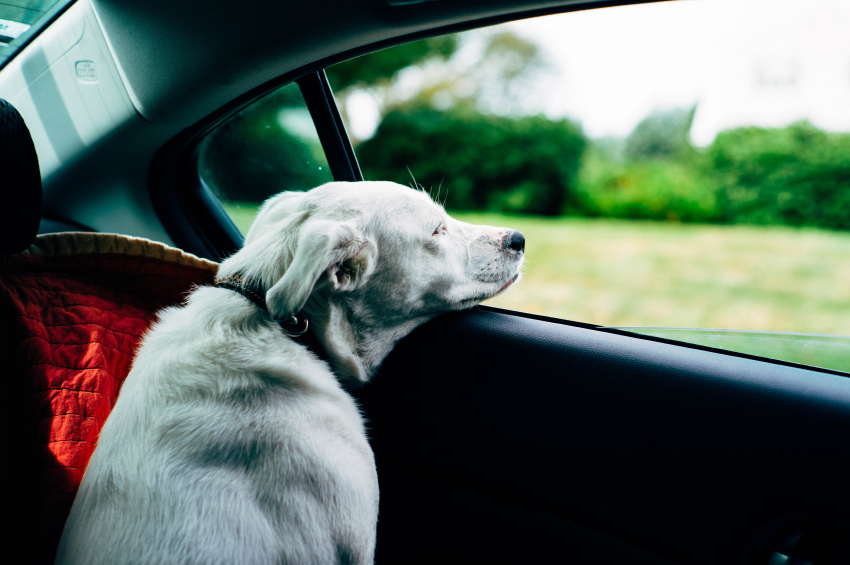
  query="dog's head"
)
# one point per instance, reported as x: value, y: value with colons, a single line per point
x: 368, y: 262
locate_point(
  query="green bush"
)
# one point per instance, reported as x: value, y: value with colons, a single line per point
x: 480, y: 162
x: 648, y: 189
x: 797, y: 175
x: 661, y: 135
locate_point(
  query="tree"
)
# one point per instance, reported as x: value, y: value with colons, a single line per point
x: 379, y: 68
x: 377, y: 72
x: 661, y: 135
x: 485, y: 71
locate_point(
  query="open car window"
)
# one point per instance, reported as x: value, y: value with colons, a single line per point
x: 698, y: 194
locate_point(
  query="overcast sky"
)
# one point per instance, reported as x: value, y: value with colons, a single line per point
x: 611, y: 67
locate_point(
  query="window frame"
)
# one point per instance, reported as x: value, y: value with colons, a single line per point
x: 190, y: 212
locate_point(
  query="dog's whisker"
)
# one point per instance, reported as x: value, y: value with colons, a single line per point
x: 416, y: 185
x: 446, y: 197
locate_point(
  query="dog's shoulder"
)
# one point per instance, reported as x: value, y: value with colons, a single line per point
x: 223, y: 416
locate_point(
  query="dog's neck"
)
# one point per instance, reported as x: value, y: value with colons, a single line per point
x: 249, y: 288
x: 353, y: 348
x: 296, y: 328
x: 357, y: 341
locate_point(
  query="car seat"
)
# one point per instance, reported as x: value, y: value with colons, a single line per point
x: 73, y: 308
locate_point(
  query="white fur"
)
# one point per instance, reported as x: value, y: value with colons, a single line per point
x: 232, y: 443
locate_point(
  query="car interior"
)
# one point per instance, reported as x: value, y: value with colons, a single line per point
x: 499, y: 436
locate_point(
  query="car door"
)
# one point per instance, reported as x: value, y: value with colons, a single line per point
x: 502, y: 436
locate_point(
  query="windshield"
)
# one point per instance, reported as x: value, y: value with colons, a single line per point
x: 21, y: 20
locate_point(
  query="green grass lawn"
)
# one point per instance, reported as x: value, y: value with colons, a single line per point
x: 637, y: 273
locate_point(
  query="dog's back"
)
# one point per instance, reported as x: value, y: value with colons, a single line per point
x: 225, y: 447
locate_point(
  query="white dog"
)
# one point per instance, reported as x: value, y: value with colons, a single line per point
x: 231, y: 442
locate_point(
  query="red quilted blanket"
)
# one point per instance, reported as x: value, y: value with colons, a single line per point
x: 75, y: 307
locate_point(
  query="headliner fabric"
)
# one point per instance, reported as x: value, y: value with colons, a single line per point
x: 76, y: 306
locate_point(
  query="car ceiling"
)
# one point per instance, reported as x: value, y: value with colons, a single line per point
x: 184, y: 60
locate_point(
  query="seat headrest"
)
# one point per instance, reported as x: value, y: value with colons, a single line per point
x: 20, y: 178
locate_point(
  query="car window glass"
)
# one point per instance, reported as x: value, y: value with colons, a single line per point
x: 672, y: 165
x: 268, y: 147
x: 20, y: 20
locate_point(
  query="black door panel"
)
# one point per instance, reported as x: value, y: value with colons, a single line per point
x: 595, y: 444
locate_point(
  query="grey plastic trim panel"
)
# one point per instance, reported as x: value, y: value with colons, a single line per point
x: 50, y: 105
x: 407, y: 2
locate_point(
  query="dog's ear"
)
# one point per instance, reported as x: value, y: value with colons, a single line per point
x: 323, y: 246
x: 275, y: 212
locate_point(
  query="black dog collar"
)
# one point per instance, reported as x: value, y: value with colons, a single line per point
x: 295, y: 327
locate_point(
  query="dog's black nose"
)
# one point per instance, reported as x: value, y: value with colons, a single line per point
x: 517, y: 242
